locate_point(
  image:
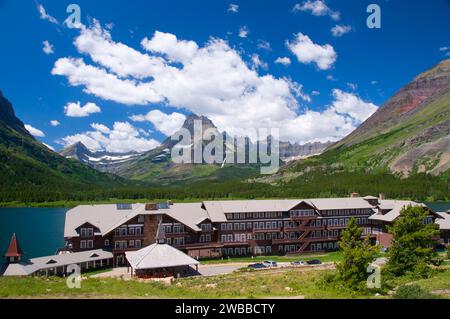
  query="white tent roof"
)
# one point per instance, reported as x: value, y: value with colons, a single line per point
x: 158, y: 256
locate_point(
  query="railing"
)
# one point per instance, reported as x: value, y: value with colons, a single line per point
x: 267, y: 230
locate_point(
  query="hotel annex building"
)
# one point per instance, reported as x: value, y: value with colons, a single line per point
x: 214, y: 229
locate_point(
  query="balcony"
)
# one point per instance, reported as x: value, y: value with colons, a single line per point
x: 235, y: 243
x: 303, y: 228
x: 267, y: 230
x: 286, y: 241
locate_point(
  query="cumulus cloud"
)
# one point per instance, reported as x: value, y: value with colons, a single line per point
x: 47, y: 47
x: 168, y: 44
x: 317, y: 8
x: 101, y: 128
x: 34, y: 131
x: 167, y: 124
x: 122, y: 138
x: 213, y: 80
x: 340, y: 30
x: 258, y: 63
x: 283, y: 60
x: 99, y: 82
x: 54, y: 123
x: 347, y: 103
x: 308, y: 52
x: 234, y: 8
x: 243, y: 32
x: 117, y: 57
x: 74, y: 109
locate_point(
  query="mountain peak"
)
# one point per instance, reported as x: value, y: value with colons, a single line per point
x: 8, y: 116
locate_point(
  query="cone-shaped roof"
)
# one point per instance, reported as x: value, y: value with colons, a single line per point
x: 14, y: 249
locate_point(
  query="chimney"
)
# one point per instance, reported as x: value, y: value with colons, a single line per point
x: 354, y: 195
x: 151, y: 206
x: 382, y: 196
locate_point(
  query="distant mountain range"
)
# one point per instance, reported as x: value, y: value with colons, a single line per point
x: 409, y: 134
x: 27, y: 164
x: 156, y: 166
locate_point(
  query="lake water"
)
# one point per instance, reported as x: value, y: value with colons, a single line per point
x: 41, y: 230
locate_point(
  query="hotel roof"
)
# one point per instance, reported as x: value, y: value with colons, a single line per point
x: 394, y: 207
x: 35, y: 264
x: 444, y: 223
x: 158, y: 256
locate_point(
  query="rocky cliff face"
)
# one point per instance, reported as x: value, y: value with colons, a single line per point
x: 409, y: 134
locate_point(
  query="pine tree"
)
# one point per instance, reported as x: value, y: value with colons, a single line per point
x: 414, y: 242
x: 357, y: 253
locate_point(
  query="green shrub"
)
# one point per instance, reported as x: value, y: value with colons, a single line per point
x: 413, y: 292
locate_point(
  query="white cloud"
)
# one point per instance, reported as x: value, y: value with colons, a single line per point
x: 47, y: 47
x: 317, y: 8
x: 340, y: 30
x: 122, y: 138
x: 352, y: 86
x: 168, y: 44
x: 76, y: 110
x: 352, y: 105
x: 117, y: 57
x: 54, y: 123
x: 315, y: 93
x: 264, y: 45
x: 168, y: 124
x: 373, y: 82
x: 444, y: 48
x: 34, y: 131
x: 331, y: 78
x: 234, y: 8
x: 101, y: 128
x: 99, y: 82
x: 243, y: 32
x: 45, y: 16
x: 214, y: 80
x: 258, y: 63
x: 283, y: 60
x: 308, y: 52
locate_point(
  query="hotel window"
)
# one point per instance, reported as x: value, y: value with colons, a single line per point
x: 138, y: 244
x: 169, y: 241
x: 223, y: 227
x: 255, y: 215
x: 90, y: 244
x: 249, y: 236
x: 223, y: 238
x: 242, y: 226
x: 106, y: 242
x: 208, y: 237
x: 131, y: 243
x: 83, y: 244
x: 131, y: 231
x: 230, y: 238
x: 249, y: 226
x: 176, y: 229
x: 141, y: 219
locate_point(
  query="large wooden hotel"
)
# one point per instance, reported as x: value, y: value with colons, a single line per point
x: 214, y: 229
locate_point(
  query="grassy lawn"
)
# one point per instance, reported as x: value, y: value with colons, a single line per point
x: 324, y: 257
x: 293, y: 283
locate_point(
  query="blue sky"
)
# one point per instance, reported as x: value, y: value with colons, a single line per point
x: 135, y: 86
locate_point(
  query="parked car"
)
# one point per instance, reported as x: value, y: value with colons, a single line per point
x: 257, y: 266
x: 269, y: 263
x: 314, y: 262
x: 298, y: 263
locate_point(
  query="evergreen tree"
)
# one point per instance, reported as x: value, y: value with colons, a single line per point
x: 414, y: 242
x: 357, y: 253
